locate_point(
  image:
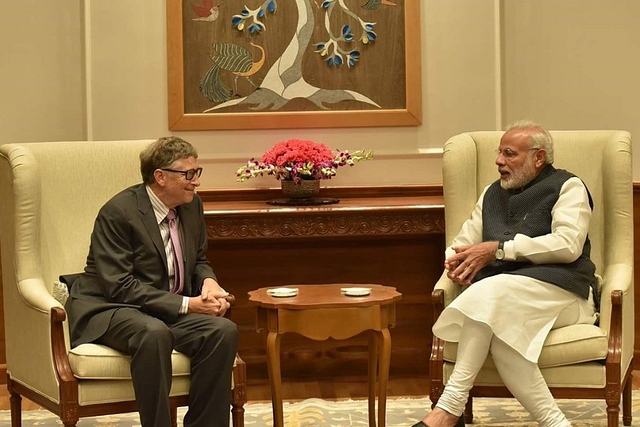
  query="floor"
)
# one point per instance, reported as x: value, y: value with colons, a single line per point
x: 329, y: 389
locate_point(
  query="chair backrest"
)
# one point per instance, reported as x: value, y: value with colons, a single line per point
x: 602, y: 159
x: 50, y: 194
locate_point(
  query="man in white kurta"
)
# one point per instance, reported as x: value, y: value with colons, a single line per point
x: 517, y: 287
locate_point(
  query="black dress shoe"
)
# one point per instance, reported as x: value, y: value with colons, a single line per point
x: 460, y: 423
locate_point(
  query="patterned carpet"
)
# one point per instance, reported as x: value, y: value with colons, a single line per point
x: 400, y: 413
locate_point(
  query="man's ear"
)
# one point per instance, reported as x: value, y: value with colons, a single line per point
x: 160, y: 177
x: 541, y: 158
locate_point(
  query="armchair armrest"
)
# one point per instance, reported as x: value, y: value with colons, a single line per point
x: 29, y: 333
x: 444, y: 292
x: 617, y: 316
x: 450, y: 290
x: 68, y: 383
x: 616, y: 277
x: 36, y: 295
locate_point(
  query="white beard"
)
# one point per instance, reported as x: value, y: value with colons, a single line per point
x: 521, y: 177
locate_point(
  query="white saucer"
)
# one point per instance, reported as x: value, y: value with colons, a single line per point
x: 356, y: 292
x: 282, y: 292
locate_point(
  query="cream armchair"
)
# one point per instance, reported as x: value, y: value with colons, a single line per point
x: 579, y: 361
x: 50, y: 194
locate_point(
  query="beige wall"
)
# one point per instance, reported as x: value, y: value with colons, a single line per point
x: 96, y: 69
x: 573, y: 64
x: 41, y: 72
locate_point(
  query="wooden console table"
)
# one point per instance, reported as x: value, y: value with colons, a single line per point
x: 391, y: 236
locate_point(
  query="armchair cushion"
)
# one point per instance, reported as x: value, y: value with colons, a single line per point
x: 564, y: 346
x: 96, y: 361
x: 574, y: 344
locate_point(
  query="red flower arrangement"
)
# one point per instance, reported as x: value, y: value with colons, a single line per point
x: 297, y: 160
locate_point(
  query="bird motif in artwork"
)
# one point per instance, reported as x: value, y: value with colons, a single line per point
x: 374, y: 4
x: 206, y: 12
x: 232, y: 58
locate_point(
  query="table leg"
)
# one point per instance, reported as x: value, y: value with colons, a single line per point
x: 275, y: 378
x: 383, y: 375
x: 373, y: 371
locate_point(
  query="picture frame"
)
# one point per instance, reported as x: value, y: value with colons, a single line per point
x: 375, y: 84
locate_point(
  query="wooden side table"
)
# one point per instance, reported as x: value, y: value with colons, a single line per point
x: 320, y: 312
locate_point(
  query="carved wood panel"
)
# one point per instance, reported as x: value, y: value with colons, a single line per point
x: 323, y: 225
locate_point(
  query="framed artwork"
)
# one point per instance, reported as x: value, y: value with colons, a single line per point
x: 275, y: 64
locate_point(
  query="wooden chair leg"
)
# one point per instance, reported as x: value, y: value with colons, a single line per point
x: 237, y: 415
x: 174, y: 416
x: 15, y: 401
x: 626, y: 402
x: 435, y: 390
x: 16, y: 410
x: 468, y: 411
x: 613, y: 415
x: 239, y: 393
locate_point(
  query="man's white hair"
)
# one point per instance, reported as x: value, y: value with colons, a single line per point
x: 539, y: 137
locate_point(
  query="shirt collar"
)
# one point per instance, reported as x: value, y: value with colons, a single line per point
x: 159, y: 208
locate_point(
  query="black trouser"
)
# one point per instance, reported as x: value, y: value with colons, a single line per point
x: 211, y: 343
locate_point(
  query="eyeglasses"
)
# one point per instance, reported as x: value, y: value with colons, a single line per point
x: 509, y: 154
x: 188, y: 175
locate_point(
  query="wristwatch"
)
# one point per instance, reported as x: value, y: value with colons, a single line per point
x: 500, y: 251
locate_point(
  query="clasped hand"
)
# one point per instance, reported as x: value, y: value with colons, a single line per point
x: 463, y: 266
x: 211, y: 301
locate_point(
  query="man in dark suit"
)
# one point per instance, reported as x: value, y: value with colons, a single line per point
x: 138, y: 297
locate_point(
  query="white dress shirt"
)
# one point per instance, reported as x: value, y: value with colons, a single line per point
x: 161, y: 210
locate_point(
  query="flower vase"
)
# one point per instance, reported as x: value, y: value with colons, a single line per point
x: 304, y: 190
x: 302, y: 194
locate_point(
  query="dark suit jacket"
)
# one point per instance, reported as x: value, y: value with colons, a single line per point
x: 127, y: 266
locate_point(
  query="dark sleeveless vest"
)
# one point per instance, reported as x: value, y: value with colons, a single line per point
x: 527, y: 211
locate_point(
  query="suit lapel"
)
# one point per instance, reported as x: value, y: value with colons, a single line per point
x: 148, y: 217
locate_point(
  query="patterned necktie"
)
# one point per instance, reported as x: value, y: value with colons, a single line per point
x: 178, y: 265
